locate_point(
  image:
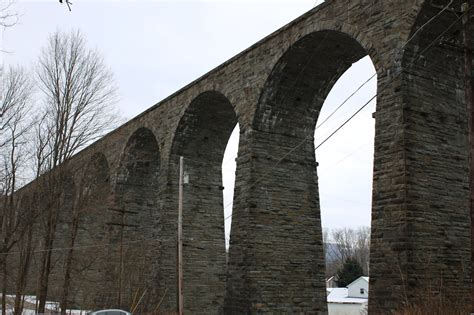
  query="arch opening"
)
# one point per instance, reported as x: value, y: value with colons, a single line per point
x: 229, y: 168
x: 345, y: 167
x: 286, y: 246
x: 134, y: 219
x: 201, y: 138
x: 89, y: 227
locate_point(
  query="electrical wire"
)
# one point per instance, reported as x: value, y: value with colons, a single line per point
x: 346, y: 122
x: 366, y: 82
x: 298, y: 145
x: 368, y: 102
x: 59, y: 249
x: 428, y: 22
x: 396, y: 75
x: 344, y: 158
x: 417, y: 56
x: 346, y: 100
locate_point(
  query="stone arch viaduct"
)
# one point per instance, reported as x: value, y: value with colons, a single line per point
x: 274, y: 90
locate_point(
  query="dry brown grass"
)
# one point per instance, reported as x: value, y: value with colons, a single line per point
x: 435, y: 306
x: 431, y: 311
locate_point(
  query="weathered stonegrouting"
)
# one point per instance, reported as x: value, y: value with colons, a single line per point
x: 274, y: 90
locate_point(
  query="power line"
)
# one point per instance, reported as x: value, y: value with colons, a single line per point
x: 303, y: 141
x: 59, y: 249
x: 398, y: 74
x: 364, y: 105
x: 428, y: 22
x: 345, y: 101
x: 344, y: 158
x: 322, y: 123
x: 360, y: 203
x: 345, y: 122
x: 370, y: 78
x: 368, y: 102
x: 401, y: 70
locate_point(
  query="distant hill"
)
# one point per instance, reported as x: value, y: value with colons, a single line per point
x: 331, y: 254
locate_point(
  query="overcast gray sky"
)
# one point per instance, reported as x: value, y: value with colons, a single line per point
x: 156, y: 47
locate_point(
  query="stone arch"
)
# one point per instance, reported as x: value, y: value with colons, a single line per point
x: 134, y: 219
x: 82, y: 233
x: 424, y: 222
x: 94, y: 193
x: 91, y: 210
x: 280, y: 261
x: 64, y: 198
x: 301, y: 79
x: 201, y: 138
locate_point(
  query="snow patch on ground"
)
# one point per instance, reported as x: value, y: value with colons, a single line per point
x: 30, y: 303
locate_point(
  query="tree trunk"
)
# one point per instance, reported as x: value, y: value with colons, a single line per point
x: 3, y: 264
x: 44, y: 279
x: 68, y: 264
x: 46, y: 263
x: 25, y: 261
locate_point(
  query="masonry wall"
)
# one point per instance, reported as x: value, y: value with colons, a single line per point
x: 420, y: 212
x: 274, y: 91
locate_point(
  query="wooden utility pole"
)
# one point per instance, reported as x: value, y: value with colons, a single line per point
x: 180, y: 236
x: 467, y: 34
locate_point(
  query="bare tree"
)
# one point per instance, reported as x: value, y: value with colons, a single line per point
x: 347, y: 243
x: 345, y: 240
x: 79, y: 96
x: 362, y: 252
x: 8, y: 17
x: 16, y: 91
x: 14, y: 121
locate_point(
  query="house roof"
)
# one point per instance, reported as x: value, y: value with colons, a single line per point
x: 339, y: 295
x: 363, y: 278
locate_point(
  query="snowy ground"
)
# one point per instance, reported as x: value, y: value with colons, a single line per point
x: 30, y: 303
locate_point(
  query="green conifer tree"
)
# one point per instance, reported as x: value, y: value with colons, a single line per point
x: 350, y: 271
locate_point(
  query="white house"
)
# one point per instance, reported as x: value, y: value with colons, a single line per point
x: 351, y: 300
x: 359, y: 288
